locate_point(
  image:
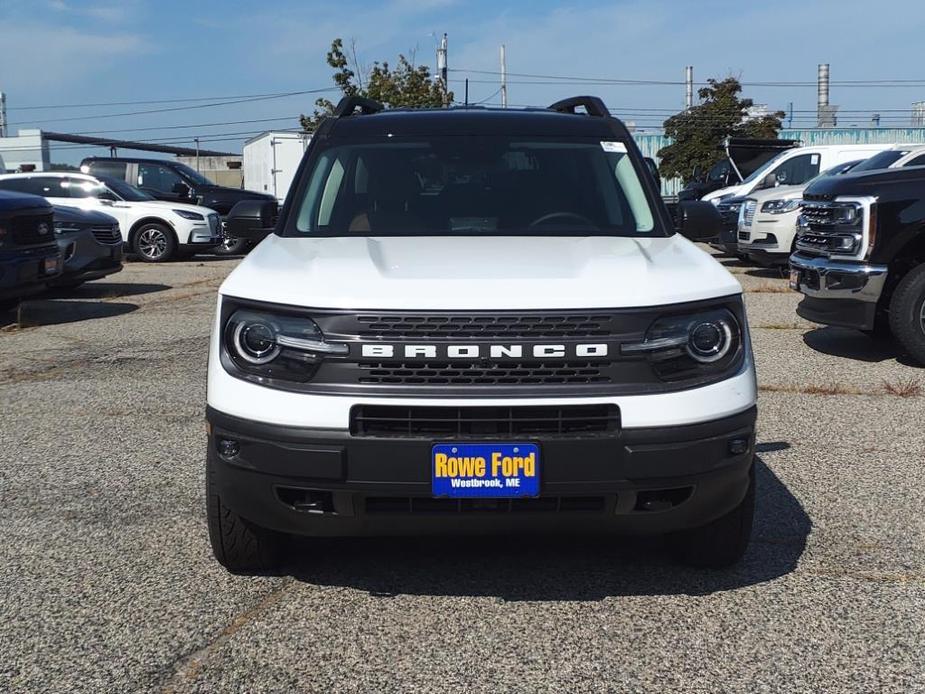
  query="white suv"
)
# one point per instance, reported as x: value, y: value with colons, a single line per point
x: 155, y: 231
x: 474, y: 319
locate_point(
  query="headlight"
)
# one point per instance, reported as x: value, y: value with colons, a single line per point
x: 267, y: 345
x: 847, y: 214
x: 781, y: 206
x: 186, y: 214
x: 687, y: 346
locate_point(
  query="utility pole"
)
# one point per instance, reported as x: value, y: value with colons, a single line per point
x: 442, y: 68
x: 2, y: 114
x: 689, y: 87
x: 196, y: 140
x: 790, y: 117
x: 503, y: 79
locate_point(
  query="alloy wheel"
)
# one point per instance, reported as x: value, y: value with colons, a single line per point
x: 152, y: 243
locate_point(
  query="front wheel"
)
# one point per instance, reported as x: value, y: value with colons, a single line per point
x: 721, y: 543
x: 231, y: 246
x: 238, y: 545
x: 907, y: 313
x: 155, y: 243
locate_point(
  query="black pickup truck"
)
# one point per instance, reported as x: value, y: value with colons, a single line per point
x: 29, y: 254
x: 860, y: 254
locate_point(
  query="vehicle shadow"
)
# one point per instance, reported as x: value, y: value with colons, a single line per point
x: 34, y: 313
x: 557, y: 569
x: 772, y: 273
x: 105, y: 290
x: 853, y: 344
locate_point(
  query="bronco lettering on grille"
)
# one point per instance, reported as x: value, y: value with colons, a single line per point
x: 508, y: 351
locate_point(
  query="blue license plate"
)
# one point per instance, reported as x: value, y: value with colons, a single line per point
x: 485, y: 470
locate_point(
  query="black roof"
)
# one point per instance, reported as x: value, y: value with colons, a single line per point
x: 866, y: 182
x: 133, y: 160
x: 477, y: 121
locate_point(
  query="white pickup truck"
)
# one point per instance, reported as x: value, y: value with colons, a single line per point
x: 475, y: 320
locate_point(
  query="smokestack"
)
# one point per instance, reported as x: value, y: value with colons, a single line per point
x: 689, y: 87
x: 822, y: 102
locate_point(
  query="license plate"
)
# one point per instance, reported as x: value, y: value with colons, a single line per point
x: 794, y: 279
x: 50, y: 266
x: 485, y: 470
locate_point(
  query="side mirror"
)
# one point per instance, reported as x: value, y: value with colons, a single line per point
x: 183, y: 190
x: 251, y: 219
x: 698, y: 220
x: 769, y: 181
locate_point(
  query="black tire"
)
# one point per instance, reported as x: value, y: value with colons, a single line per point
x: 721, y: 543
x: 238, y: 545
x: 231, y: 246
x: 154, y: 243
x: 907, y: 313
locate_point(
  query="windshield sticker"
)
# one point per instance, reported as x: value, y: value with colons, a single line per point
x: 814, y: 159
x: 613, y: 147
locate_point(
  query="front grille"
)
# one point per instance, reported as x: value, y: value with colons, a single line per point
x: 389, y: 505
x: 32, y: 229
x: 750, y: 207
x: 478, y: 373
x: 215, y: 224
x: 108, y: 234
x: 574, y: 421
x: 730, y: 214
x: 821, y: 231
x: 744, y: 236
x: 487, y: 327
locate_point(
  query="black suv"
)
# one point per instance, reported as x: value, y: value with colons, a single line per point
x: 164, y: 179
x: 29, y: 255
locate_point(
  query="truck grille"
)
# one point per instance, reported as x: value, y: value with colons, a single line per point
x: 820, y: 231
x: 477, y: 373
x: 108, y: 234
x: 32, y: 229
x: 485, y: 327
x: 484, y: 422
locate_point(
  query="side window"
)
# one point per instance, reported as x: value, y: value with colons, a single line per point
x: 111, y: 169
x: 82, y: 188
x: 797, y: 170
x: 46, y: 186
x: 159, y: 178
x: 916, y: 161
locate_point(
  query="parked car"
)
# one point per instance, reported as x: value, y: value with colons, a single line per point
x: 896, y: 157
x: 794, y: 167
x: 154, y: 231
x: 172, y: 181
x: 29, y: 256
x: 488, y: 322
x: 743, y: 156
x: 767, y: 224
x: 860, y: 254
x: 90, y: 243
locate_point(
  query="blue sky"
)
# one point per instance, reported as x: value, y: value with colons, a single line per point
x: 91, y: 51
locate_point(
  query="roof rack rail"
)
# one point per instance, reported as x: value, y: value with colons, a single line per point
x: 593, y: 105
x: 349, y: 104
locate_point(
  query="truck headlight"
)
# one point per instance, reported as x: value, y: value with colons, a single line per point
x: 781, y: 206
x: 686, y: 346
x: 267, y: 345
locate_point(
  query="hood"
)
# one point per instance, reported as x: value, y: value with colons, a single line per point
x: 778, y: 193
x: 866, y: 183
x: 466, y: 273
x: 14, y: 202
x: 73, y: 214
x: 159, y: 205
x: 730, y: 191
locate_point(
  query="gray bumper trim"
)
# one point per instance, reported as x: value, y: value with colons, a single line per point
x: 825, y: 278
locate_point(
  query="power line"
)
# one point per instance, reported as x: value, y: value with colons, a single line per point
x: 178, y: 108
x: 150, y: 101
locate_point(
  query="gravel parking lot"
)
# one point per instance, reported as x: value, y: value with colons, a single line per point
x: 108, y: 582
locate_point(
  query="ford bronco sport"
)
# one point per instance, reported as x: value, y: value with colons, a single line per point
x: 476, y: 320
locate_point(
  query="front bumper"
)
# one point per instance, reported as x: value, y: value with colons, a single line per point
x: 331, y: 483
x: 23, y: 271
x: 85, y: 258
x: 837, y: 292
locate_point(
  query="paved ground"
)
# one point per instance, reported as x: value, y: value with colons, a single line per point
x: 108, y: 584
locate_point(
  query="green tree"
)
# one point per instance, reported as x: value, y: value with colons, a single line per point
x: 405, y: 85
x: 698, y: 133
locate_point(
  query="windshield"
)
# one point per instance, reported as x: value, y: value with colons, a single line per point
x: 882, y: 160
x: 762, y: 171
x: 474, y: 185
x: 124, y: 190
x: 192, y: 175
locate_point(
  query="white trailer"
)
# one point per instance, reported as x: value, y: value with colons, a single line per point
x: 271, y: 160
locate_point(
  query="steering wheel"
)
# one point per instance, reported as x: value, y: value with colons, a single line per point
x: 563, y: 215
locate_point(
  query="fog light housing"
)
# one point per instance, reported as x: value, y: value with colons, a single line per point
x: 738, y: 446
x: 228, y: 448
